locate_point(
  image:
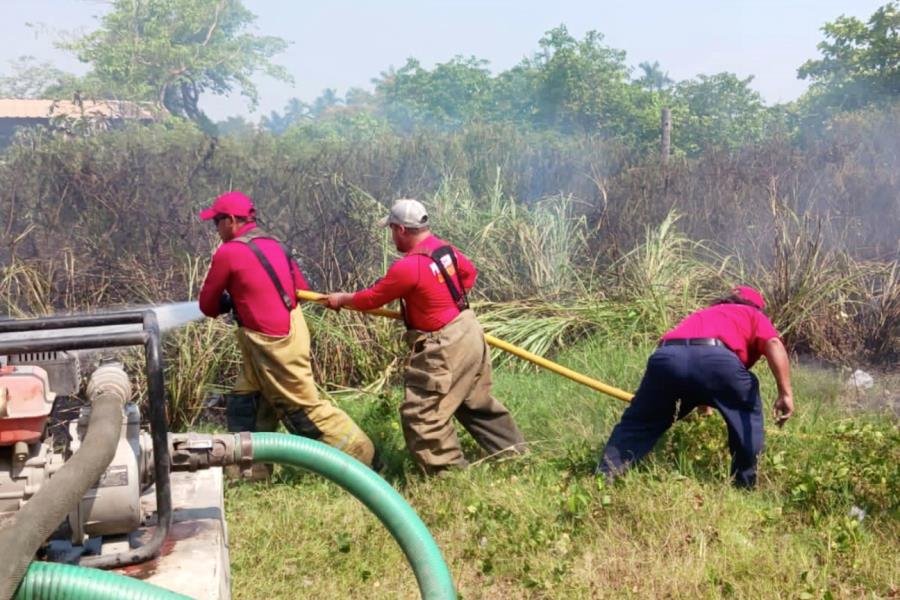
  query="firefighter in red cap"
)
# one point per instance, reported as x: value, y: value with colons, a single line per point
x: 705, y: 360
x: 254, y: 274
x: 448, y: 372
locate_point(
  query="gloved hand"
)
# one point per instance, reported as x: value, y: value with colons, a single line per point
x: 226, y: 304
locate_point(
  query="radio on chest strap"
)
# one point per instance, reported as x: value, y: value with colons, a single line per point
x: 457, y: 293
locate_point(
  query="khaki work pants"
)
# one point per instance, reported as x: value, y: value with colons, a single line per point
x: 448, y: 374
x: 278, y: 368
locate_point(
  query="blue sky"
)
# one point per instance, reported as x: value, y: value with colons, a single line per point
x: 343, y: 43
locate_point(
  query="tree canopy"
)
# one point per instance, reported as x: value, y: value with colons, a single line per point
x: 173, y: 51
x: 32, y: 79
x: 720, y: 110
x: 860, y: 63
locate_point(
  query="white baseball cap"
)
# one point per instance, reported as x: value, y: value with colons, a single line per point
x: 408, y: 213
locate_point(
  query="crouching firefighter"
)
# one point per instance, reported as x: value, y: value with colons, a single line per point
x: 254, y: 275
x: 448, y: 372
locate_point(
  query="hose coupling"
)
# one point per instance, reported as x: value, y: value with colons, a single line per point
x: 193, y: 451
x: 110, y: 378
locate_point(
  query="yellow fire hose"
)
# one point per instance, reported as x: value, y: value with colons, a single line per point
x: 507, y: 347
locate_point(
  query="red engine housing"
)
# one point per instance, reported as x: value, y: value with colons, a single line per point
x: 25, y: 404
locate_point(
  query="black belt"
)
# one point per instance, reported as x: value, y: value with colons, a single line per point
x: 692, y: 342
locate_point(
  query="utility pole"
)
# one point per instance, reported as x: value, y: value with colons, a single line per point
x: 666, y: 124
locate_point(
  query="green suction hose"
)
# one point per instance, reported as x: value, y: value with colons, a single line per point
x: 56, y: 581
x: 432, y: 574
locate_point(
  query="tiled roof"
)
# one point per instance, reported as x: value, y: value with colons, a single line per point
x: 20, y: 108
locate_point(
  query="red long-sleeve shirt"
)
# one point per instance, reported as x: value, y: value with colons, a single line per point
x: 237, y: 270
x: 744, y: 329
x: 418, y: 281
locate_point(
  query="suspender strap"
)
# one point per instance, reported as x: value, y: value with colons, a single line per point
x: 248, y: 239
x: 458, y: 294
x: 403, y: 313
x: 285, y: 297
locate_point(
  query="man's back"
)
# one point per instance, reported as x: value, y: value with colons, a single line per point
x: 417, y: 279
x: 236, y: 269
x: 744, y: 329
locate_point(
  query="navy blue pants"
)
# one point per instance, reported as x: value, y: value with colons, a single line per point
x: 693, y: 375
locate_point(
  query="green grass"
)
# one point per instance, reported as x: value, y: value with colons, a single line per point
x: 543, y: 527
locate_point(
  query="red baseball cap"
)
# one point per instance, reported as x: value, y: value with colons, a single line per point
x: 234, y: 203
x: 750, y: 295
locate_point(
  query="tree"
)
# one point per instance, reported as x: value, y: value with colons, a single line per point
x: 30, y: 79
x: 654, y: 78
x: 172, y: 51
x: 447, y: 96
x: 359, y: 98
x: 294, y: 112
x: 235, y: 126
x: 718, y: 110
x: 327, y: 101
x: 583, y: 85
x: 860, y: 62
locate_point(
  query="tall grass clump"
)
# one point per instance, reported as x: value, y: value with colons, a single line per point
x: 25, y: 289
x: 520, y: 251
x: 665, y: 276
x: 202, y: 359
x: 818, y: 292
x: 353, y: 349
x: 877, y: 320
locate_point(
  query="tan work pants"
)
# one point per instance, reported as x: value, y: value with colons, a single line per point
x: 278, y: 368
x: 448, y: 374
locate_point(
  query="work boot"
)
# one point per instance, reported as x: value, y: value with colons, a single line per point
x: 300, y: 424
x: 440, y: 471
x: 240, y: 411
x: 377, y: 464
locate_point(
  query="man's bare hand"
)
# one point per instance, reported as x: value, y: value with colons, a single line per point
x: 783, y: 409
x: 336, y: 300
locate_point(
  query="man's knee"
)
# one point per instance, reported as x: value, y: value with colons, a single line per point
x: 240, y: 411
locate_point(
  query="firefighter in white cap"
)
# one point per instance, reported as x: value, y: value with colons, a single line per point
x: 448, y: 372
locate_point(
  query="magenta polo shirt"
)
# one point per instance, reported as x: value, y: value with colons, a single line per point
x: 744, y: 329
x: 417, y: 280
x: 237, y: 270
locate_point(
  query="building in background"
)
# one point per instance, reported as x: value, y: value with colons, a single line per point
x: 70, y: 115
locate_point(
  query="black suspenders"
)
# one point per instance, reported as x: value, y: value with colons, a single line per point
x: 457, y: 293
x: 286, y: 298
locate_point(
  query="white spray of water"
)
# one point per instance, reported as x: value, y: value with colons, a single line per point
x: 169, y: 316
x: 177, y: 314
